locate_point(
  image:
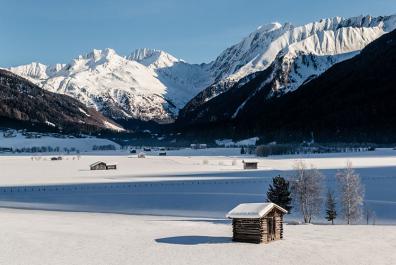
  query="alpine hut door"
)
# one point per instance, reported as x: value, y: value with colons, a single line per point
x: 271, y: 228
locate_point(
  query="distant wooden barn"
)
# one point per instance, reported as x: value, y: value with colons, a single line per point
x: 257, y: 222
x: 112, y: 166
x: 250, y: 164
x: 102, y: 166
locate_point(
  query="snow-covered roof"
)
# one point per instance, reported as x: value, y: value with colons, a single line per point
x: 253, y: 210
x: 97, y: 163
x: 250, y: 161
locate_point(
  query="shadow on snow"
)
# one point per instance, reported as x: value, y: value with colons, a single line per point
x: 194, y: 240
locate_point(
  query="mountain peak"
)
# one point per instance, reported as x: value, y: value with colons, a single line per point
x: 97, y: 54
x: 153, y: 58
x: 36, y: 71
x: 269, y: 27
x: 143, y: 53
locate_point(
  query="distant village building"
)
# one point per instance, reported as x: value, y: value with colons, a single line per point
x: 250, y: 164
x: 9, y: 134
x: 112, y: 166
x: 102, y: 166
x: 5, y: 149
x: 257, y: 222
x: 198, y: 146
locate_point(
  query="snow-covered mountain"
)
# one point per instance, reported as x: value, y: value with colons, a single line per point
x: 154, y: 85
x: 148, y: 85
x: 36, y: 72
x: 182, y: 80
x: 325, y: 37
x: 352, y: 101
x: 24, y: 103
x: 299, y: 52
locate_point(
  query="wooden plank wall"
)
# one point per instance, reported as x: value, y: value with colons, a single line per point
x: 255, y: 230
x: 278, y: 226
x: 250, y: 230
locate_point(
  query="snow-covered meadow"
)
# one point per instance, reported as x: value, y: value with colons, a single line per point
x: 198, y: 183
x: 124, y: 216
x: 41, y: 237
x: 83, y: 145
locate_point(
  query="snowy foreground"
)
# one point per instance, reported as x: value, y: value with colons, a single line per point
x: 36, y: 237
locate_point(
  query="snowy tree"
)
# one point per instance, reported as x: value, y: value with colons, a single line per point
x: 306, y: 190
x: 331, y: 212
x: 352, y: 193
x: 279, y: 193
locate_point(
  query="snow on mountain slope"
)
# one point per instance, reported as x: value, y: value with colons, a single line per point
x: 293, y: 70
x: 24, y: 103
x: 325, y: 37
x: 298, y: 53
x: 114, y: 85
x: 109, y: 82
x: 148, y: 85
x: 36, y: 72
x: 182, y: 80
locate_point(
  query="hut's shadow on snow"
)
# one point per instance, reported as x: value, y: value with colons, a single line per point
x: 194, y: 240
x: 211, y: 221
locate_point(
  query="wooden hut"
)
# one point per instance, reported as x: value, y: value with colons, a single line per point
x: 250, y: 164
x: 102, y: 166
x: 112, y: 166
x: 98, y: 166
x: 257, y: 222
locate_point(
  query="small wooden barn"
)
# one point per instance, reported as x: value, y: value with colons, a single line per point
x: 257, y: 222
x: 98, y: 166
x: 112, y: 166
x: 102, y: 166
x: 250, y: 164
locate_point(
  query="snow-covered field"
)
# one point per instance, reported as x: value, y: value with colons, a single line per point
x: 82, y: 226
x: 201, y: 185
x: 35, y: 237
x: 81, y: 144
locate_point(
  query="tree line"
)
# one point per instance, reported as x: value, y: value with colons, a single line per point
x: 304, y: 192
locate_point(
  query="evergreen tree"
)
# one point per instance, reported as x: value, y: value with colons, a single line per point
x: 243, y: 151
x: 331, y: 213
x: 279, y: 193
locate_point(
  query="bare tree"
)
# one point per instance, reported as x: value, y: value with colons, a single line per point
x: 368, y: 213
x: 306, y: 187
x: 352, y: 193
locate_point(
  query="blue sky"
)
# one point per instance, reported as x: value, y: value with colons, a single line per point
x: 52, y: 31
